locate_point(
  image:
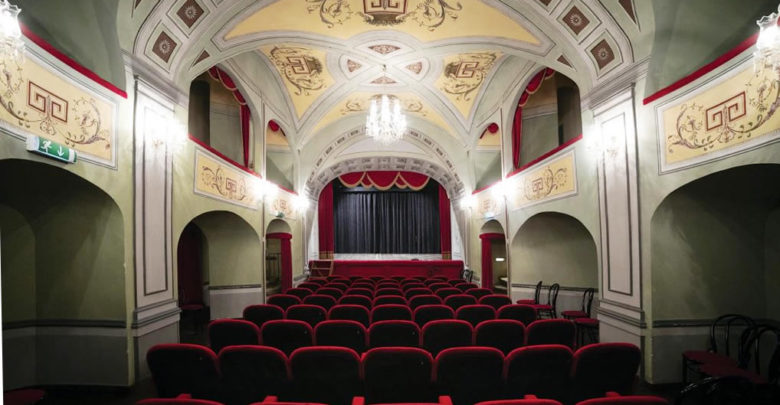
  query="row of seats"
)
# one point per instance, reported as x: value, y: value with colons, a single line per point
x: 334, y: 375
x: 332, y: 296
x: 435, y: 336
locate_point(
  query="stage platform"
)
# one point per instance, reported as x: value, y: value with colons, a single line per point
x: 452, y: 269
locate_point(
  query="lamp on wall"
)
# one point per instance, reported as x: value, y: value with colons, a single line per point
x: 300, y: 203
x: 468, y: 202
x: 165, y: 132
x: 11, y: 44
x: 767, y: 53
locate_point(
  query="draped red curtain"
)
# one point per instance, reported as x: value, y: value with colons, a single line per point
x: 286, y: 276
x: 517, y: 125
x: 444, y: 224
x: 487, y: 257
x: 325, y: 222
x: 384, y: 180
x: 246, y: 116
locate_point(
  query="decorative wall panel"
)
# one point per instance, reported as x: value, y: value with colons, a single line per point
x: 281, y: 205
x: 35, y: 99
x: 222, y: 181
x: 552, y: 180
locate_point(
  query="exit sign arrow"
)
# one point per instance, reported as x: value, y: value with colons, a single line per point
x: 51, y: 149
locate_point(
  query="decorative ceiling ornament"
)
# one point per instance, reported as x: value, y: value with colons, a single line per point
x: 767, y: 54
x: 385, y: 122
x: 164, y: 46
x: 384, y: 49
x: 299, y: 67
x: 11, y: 44
x: 430, y: 14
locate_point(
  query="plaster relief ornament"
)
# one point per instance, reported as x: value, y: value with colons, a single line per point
x: 466, y: 74
x: 300, y: 68
x: 429, y: 14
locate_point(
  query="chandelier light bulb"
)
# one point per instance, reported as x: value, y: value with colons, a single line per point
x: 767, y: 53
x: 385, y: 122
x: 11, y: 44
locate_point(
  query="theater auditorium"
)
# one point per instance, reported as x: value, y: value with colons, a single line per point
x: 406, y: 202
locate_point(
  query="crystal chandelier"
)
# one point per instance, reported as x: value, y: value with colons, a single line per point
x: 767, y: 53
x: 11, y: 44
x: 385, y: 122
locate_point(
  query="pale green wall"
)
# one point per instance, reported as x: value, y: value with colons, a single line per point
x: 17, y: 251
x: 487, y: 167
x: 79, y: 253
x: 540, y: 135
x: 232, y: 250
x: 280, y: 168
x: 555, y: 248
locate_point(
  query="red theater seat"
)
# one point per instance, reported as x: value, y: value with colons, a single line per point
x: 317, y: 281
x: 426, y: 313
x: 391, y: 312
x: 613, y: 398
x: 331, y: 291
x: 474, y: 314
x: 325, y: 301
x: 466, y: 286
x: 538, y: 370
x: 496, y: 301
x: 366, y: 286
x: 348, y: 334
x: 519, y: 312
x: 311, y: 314
x: 287, y: 335
x: 341, y: 286
x: 438, y: 286
x: 364, y: 291
x: 411, y: 292
x: 443, y: 293
x: 389, y: 299
x: 28, y: 396
x: 551, y: 332
x: 389, y: 291
x: 283, y: 301
x: 299, y: 292
x: 398, y: 374
x: 470, y: 374
x: 260, y: 314
x: 325, y: 374
x: 529, y: 400
x: 249, y: 373
x: 456, y: 301
x: 446, y: 333
x: 184, y: 399
x: 479, y: 292
x: 603, y: 367
x: 420, y: 300
x: 503, y: 334
x: 394, y: 333
x: 310, y: 285
x: 228, y: 332
x: 355, y: 300
x: 179, y: 368
x: 355, y: 313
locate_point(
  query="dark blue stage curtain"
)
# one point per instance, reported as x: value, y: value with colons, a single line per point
x: 367, y: 220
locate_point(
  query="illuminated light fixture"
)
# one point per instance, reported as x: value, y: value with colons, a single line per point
x: 11, y: 44
x: 385, y: 122
x: 500, y: 259
x: 468, y: 202
x: 300, y: 203
x: 166, y: 132
x: 767, y: 53
x: 499, y: 190
x: 260, y: 188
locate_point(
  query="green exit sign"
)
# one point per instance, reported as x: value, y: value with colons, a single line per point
x: 51, y: 149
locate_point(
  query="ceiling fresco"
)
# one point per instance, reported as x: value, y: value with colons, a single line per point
x: 463, y: 76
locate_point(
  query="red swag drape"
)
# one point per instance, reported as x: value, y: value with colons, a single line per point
x: 487, y: 257
x: 246, y: 116
x: 444, y: 224
x: 286, y: 276
x: 325, y: 222
x: 384, y: 180
x: 517, y: 125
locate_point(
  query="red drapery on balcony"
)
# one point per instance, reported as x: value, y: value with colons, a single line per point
x: 245, y: 115
x: 517, y: 125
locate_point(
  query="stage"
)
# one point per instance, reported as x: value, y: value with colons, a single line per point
x: 452, y: 269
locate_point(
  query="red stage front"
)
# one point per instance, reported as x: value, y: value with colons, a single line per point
x: 451, y: 269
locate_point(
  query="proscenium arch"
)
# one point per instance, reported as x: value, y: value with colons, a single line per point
x: 555, y: 248
x: 717, y: 237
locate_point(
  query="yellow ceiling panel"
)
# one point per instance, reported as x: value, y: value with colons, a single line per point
x: 463, y: 76
x: 303, y: 72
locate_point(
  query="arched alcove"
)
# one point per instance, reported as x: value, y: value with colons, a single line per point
x: 493, y: 253
x: 714, y: 246
x: 278, y: 257
x: 229, y: 255
x: 62, y: 252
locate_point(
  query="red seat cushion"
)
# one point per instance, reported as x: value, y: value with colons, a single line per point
x: 23, y: 397
x: 587, y: 322
x: 575, y: 314
x: 527, y: 302
x: 720, y: 370
x: 541, y: 306
x: 705, y: 357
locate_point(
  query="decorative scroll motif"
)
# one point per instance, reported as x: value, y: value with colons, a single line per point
x: 360, y: 104
x: 223, y: 182
x: 554, y: 179
x: 466, y: 74
x: 739, y: 109
x: 299, y: 67
x: 38, y: 101
x: 383, y: 80
x: 281, y: 205
x: 487, y: 205
x: 429, y: 14
x: 383, y: 49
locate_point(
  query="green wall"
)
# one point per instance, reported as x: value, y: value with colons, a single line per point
x: 17, y: 254
x: 231, y: 249
x: 554, y: 247
x: 540, y: 135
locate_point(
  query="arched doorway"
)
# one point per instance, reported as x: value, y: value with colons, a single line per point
x: 278, y: 257
x: 494, y: 264
x: 62, y: 260
x: 218, y: 265
x: 555, y: 248
x: 191, y: 278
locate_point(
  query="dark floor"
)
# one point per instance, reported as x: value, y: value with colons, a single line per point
x: 197, y: 334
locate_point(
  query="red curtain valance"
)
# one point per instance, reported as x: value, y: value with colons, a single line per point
x: 245, y: 115
x: 384, y: 180
x: 517, y: 126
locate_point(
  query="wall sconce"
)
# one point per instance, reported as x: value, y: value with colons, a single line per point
x: 468, y: 202
x: 261, y: 188
x: 300, y: 203
x: 767, y: 54
x: 168, y: 132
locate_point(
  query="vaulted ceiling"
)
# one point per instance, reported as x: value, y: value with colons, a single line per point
x: 453, y: 64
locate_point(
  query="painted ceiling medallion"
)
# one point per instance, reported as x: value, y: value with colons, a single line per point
x: 415, y: 68
x: 430, y: 14
x: 164, y: 46
x: 603, y: 54
x: 189, y: 12
x: 299, y: 67
x: 576, y: 20
x: 353, y: 66
x: 383, y: 80
x: 384, y: 49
